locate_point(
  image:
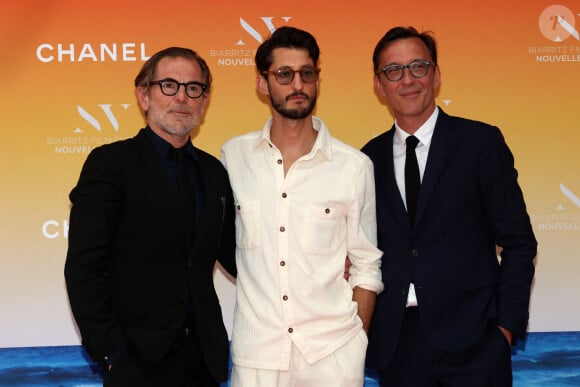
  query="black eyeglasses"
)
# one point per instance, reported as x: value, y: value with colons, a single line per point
x: 417, y: 69
x: 285, y: 75
x: 170, y: 87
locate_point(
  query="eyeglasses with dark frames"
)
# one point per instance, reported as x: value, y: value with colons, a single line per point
x: 417, y: 68
x: 285, y: 75
x: 170, y: 87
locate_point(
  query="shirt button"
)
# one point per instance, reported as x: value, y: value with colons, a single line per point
x: 327, y: 211
x: 290, y: 330
x: 414, y: 252
x: 238, y: 207
x: 285, y: 298
x: 284, y: 195
x: 282, y: 229
x: 282, y: 263
x: 279, y: 161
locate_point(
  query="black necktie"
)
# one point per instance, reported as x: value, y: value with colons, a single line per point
x: 412, y: 177
x: 186, y: 193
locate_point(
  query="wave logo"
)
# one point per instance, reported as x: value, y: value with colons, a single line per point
x: 253, y: 32
x: 557, y: 23
x: 89, y: 118
x: 570, y: 195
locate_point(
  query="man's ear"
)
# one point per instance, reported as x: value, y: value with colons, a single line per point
x: 204, y: 102
x: 379, y: 86
x: 262, y: 85
x: 142, y: 94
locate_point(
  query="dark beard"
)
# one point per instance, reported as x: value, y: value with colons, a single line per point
x: 294, y: 114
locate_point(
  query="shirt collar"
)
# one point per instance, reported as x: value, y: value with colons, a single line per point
x: 163, y: 148
x: 424, y: 133
x: 321, y: 146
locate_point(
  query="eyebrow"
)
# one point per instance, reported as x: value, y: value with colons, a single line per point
x: 413, y: 60
x: 174, y: 80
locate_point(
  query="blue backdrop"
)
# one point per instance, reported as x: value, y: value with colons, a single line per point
x: 550, y: 359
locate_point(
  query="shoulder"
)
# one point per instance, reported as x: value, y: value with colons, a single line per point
x: 335, y: 148
x: 118, y: 150
x: 467, y: 127
x: 347, y: 151
x: 242, y: 140
x: 478, y: 138
x: 207, y: 160
x: 212, y: 170
x: 377, y: 144
x: 349, y: 160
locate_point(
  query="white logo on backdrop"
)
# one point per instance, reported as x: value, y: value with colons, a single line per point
x: 103, y: 52
x: 102, y: 130
x: 94, y: 122
x: 254, y: 33
x: 241, y: 54
x: 557, y: 24
x: 570, y: 195
x: 564, y: 219
x: 52, y: 229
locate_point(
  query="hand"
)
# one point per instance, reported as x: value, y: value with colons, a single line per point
x: 109, y: 365
x: 506, y: 333
x: 347, y: 264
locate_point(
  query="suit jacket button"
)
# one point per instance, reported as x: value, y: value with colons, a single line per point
x: 414, y: 252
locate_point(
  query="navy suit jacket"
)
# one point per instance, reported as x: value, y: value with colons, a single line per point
x: 129, y: 275
x: 469, y: 202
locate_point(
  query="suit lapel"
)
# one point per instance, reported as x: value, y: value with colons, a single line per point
x: 386, y: 178
x: 208, y: 213
x: 438, y: 152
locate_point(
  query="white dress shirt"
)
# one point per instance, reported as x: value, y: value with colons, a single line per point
x: 424, y: 134
x: 293, y: 234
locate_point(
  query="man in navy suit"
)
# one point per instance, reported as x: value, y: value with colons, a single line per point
x: 143, y: 246
x: 451, y: 307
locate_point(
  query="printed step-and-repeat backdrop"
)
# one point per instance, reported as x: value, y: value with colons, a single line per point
x: 66, y: 86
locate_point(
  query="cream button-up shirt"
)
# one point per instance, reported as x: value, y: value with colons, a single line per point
x: 293, y: 234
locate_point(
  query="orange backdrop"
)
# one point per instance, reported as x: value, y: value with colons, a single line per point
x: 66, y: 86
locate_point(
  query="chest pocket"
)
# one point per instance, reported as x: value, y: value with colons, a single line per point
x: 323, y: 229
x: 247, y: 230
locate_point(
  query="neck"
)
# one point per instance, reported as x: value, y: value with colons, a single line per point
x: 412, y: 123
x: 177, y: 140
x: 294, y: 138
x: 293, y: 135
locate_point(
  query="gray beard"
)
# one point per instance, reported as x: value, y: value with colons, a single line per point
x: 175, y: 129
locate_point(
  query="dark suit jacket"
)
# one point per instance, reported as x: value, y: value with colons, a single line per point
x: 127, y: 271
x: 469, y: 201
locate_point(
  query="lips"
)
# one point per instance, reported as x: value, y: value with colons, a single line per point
x: 297, y: 96
x: 180, y: 111
x: 410, y: 93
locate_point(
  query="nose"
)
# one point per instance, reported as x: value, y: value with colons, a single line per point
x: 297, y: 82
x: 407, y: 77
x: 181, y: 95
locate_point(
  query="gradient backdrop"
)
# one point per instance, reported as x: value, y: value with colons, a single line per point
x: 66, y: 86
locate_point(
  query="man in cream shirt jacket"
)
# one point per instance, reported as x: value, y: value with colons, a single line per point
x: 304, y: 202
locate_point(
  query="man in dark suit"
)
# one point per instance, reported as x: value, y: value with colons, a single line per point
x: 450, y: 308
x: 143, y: 242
